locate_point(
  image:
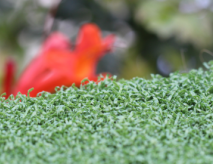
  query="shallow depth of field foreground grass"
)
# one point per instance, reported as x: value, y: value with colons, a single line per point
x: 163, y: 120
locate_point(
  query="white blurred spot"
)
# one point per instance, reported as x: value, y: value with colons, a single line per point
x: 48, y: 3
x: 194, y: 6
x: 203, y: 3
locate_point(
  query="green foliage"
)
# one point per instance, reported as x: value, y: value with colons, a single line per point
x: 169, y: 19
x: 162, y: 120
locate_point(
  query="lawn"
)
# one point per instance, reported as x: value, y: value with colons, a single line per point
x: 161, y: 120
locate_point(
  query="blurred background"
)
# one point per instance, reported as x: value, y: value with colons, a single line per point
x: 153, y: 36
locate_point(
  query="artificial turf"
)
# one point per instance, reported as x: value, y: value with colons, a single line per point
x: 162, y: 120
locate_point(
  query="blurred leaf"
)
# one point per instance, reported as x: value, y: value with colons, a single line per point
x: 165, y: 19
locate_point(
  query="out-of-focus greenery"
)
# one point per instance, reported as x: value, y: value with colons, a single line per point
x: 187, y: 21
x: 159, y: 36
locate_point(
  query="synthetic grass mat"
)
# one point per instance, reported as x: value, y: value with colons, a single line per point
x: 162, y: 120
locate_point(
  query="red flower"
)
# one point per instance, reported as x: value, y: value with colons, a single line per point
x: 58, y: 65
x: 9, y: 76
